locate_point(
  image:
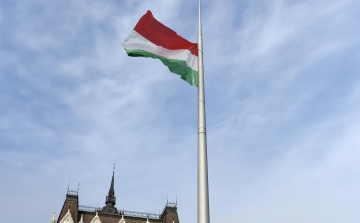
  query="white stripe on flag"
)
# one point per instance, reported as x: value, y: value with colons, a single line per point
x: 135, y: 41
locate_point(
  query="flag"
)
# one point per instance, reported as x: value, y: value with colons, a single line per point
x: 150, y: 38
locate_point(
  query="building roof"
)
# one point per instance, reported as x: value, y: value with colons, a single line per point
x: 71, y: 212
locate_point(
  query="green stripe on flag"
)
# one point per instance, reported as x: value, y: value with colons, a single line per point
x: 176, y: 66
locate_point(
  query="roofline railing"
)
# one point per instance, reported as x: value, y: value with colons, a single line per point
x: 72, y: 192
x: 169, y: 204
x: 122, y: 212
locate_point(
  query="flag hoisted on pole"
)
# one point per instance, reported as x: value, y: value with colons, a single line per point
x: 152, y: 39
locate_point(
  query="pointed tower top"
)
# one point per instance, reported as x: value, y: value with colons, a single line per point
x: 52, y: 220
x: 111, y: 198
x: 81, y: 219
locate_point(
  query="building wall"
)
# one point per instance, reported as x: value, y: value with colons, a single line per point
x: 72, y: 203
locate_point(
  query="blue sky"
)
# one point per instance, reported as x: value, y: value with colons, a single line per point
x: 283, y: 104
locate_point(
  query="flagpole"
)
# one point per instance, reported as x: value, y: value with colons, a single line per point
x: 203, y: 187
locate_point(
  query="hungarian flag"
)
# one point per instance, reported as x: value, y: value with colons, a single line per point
x: 150, y: 38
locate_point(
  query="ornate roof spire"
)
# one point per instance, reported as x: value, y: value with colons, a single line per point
x: 111, y: 198
x: 52, y: 220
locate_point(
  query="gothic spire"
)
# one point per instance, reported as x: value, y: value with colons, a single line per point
x: 110, y: 198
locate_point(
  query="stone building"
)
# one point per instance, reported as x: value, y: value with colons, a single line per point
x: 72, y: 212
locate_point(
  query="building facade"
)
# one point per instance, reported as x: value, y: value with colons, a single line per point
x: 72, y: 212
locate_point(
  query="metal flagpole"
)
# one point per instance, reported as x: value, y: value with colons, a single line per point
x: 203, y: 188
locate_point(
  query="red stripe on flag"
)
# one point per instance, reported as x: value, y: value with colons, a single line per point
x: 161, y: 35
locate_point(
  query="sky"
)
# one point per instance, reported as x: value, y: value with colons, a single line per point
x: 282, y: 90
